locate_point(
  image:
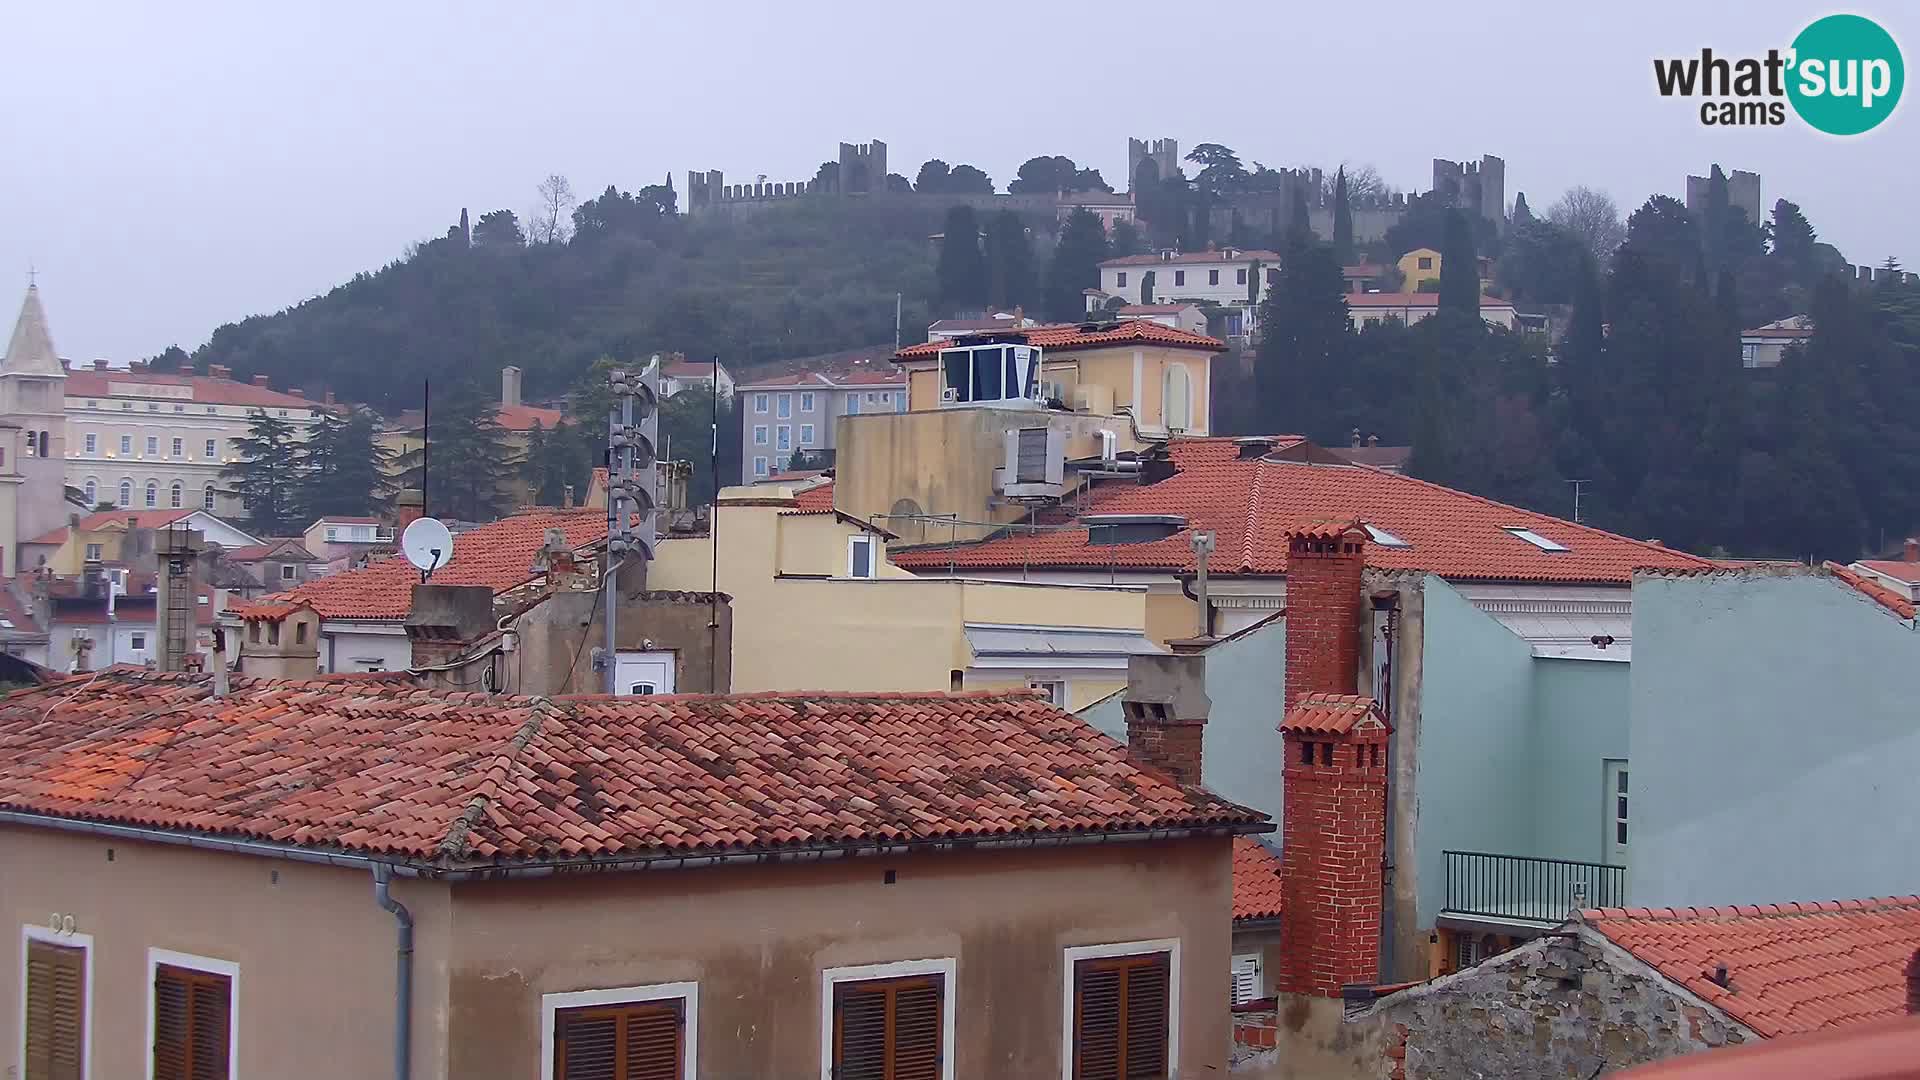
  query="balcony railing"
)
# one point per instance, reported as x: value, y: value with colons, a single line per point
x: 1535, y: 890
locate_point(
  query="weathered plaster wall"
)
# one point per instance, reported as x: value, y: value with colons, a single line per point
x: 1558, y: 1007
x: 1773, y: 726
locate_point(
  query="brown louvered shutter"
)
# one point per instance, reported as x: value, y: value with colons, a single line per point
x: 191, y: 1039
x: 888, y: 1029
x: 642, y: 1041
x: 1120, y: 1017
x: 56, y: 1011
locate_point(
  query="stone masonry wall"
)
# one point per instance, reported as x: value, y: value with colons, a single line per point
x: 1558, y: 1007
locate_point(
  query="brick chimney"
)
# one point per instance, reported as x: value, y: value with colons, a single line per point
x: 1166, y: 707
x: 1911, y: 553
x: 263, y: 380
x: 1333, y: 800
x: 509, y: 387
x: 1913, y: 975
x: 219, y: 371
x: 406, y: 508
x: 1324, y: 604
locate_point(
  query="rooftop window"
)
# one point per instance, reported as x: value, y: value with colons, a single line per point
x: 1385, y: 538
x: 1536, y: 539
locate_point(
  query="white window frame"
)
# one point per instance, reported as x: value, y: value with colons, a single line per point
x: 179, y: 447
x: 126, y: 444
x: 1056, y: 689
x: 1259, y: 976
x: 211, y: 966
x: 853, y: 404
x: 153, y: 446
x: 72, y: 940
x: 287, y: 571
x: 93, y: 443
x: 213, y: 448
x: 759, y: 434
x: 783, y: 406
x: 206, y: 497
x: 760, y: 466
x: 945, y: 966
x: 806, y: 436
x: 806, y: 401
x: 760, y: 403
x: 551, y: 1004
x: 854, y: 543
x: 1074, y: 954
x: 783, y: 437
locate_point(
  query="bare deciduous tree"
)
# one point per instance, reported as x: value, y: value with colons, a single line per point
x: 1365, y: 186
x: 1591, y: 216
x: 551, y: 221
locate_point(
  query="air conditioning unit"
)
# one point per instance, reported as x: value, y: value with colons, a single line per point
x: 948, y: 395
x: 1036, y: 464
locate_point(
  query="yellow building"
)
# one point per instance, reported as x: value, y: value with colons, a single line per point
x: 989, y: 433
x: 817, y: 606
x: 1421, y: 270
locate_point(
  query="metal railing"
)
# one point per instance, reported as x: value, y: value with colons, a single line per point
x: 1519, y: 887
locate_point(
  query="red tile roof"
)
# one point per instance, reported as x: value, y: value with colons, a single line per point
x: 1898, y: 569
x: 1256, y: 880
x: 1067, y: 338
x: 524, y: 417
x: 1790, y: 967
x: 142, y: 519
x: 1331, y: 714
x: 1252, y: 504
x: 1873, y: 590
x: 1190, y: 257
x: 86, y: 382
x: 376, y: 764
x: 499, y: 555
x: 815, y: 500
x: 1881, y: 1050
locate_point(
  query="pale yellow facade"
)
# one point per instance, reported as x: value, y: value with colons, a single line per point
x: 1101, y: 381
x: 801, y: 621
x: 1419, y: 265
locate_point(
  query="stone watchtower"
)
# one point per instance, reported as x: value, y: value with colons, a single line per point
x: 1164, y: 153
x: 33, y: 423
x: 863, y: 167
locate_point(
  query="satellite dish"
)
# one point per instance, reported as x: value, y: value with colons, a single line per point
x: 427, y: 545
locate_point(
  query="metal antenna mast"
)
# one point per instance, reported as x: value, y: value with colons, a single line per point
x: 1576, y: 498
x: 632, y: 428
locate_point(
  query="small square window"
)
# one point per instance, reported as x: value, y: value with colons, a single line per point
x: 286, y: 571
x: 126, y: 406
x: 153, y: 406
x: 1426, y: 262
x: 1120, y: 280
x: 1240, y: 276
x: 1179, y: 277
x: 179, y: 408
x: 1213, y: 277
x: 137, y: 642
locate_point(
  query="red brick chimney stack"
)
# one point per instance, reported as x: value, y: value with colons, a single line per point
x: 1324, y: 603
x: 1913, y: 978
x: 1166, y: 706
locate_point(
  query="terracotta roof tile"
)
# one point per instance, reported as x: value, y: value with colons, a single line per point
x: 1331, y: 714
x: 86, y: 382
x: 1872, y: 590
x: 1191, y: 257
x: 1066, y: 338
x: 1790, y: 967
x: 1252, y: 504
x: 1897, y: 569
x: 499, y: 555
x: 376, y: 764
x: 1256, y: 880
x: 817, y: 499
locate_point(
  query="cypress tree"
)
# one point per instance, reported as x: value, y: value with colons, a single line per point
x: 962, y: 273
x: 1459, y: 268
x: 1343, y: 250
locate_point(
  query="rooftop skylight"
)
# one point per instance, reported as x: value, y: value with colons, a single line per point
x: 1385, y: 538
x: 1536, y: 539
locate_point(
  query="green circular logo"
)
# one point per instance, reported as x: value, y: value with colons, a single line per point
x: 1846, y: 75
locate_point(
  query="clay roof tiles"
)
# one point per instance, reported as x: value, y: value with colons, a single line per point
x: 1790, y: 967
x: 1330, y: 714
x: 203, y: 389
x: 1067, y: 338
x: 817, y: 499
x: 1881, y: 594
x: 1253, y: 504
x: 499, y: 555
x: 1256, y: 880
x: 376, y: 765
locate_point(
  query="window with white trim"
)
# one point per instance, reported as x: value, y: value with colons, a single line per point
x: 853, y: 404
x: 212, y: 448
x: 860, y: 556
x: 1056, y: 690
x: 760, y: 467
x: 58, y: 1004
x: 206, y: 498
x: 783, y: 437
x: 153, y: 494
x: 179, y: 448
x: 153, y: 446
x: 759, y: 434
x: 806, y: 402
x: 1176, y: 402
x: 1246, y: 978
x: 888, y: 1021
x: 759, y: 403
x: 806, y: 435
x: 176, y: 495
x: 286, y: 571
x: 628, y: 1033
x: 126, y: 493
x: 92, y: 442
x: 1122, y: 1009
x: 190, y: 1011
x: 93, y: 493
x: 126, y: 444
x: 783, y: 406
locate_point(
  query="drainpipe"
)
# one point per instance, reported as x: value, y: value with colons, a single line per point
x: 403, y: 980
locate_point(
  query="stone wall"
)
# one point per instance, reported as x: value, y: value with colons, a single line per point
x: 1562, y: 1006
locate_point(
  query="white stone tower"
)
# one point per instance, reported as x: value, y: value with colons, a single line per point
x: 33, y: 433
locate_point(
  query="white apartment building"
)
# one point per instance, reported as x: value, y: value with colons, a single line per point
x: 148, y: 440
x: 1232, y: 278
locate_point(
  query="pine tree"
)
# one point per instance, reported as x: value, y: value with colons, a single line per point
x: 343, y: 467
x: 469, y: 462
x: 1522, y: 213
x: 1126, y: 240
x: 1010, y: 270
x: 1075, y: 266
x: 1459, y: 268
x: 962, y: 272
x: 267, y: 477
x: 1343, y: 250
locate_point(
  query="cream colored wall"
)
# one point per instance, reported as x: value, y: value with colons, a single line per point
x: 756, y: 940
x: 817, y: 544
x: 316, y: 955
x: 923, y: 387
x: 1082, y: 691
x: 1170, y: 615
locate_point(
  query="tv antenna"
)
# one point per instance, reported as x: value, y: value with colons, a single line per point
x: 427, y: 545
x: 1577, y: 485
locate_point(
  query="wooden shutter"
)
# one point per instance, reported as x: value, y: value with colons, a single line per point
x: 888, y: 1029
x: 1120, y: 1017
x: 56, y: 1011
x: 640, y: 1041
x: 191, y: 1038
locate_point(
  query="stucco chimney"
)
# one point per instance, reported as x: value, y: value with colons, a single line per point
x: 1912, y: 551
x: 445, y: 619
x: 219, y: 371
x: 1166, y: 707
x: 263, y: 380
x: 509, y: 387
x: 1324, y: 601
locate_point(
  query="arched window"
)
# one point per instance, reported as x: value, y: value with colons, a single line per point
x: 126, y: 493
x: 206, y: 498
x: 153, y: 494
x: 1177, y: 400
x: 93, y: 493
x: 176, y: 494
x: 45, y: 445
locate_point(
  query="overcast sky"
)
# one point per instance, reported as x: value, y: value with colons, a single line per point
x: 171, y: 167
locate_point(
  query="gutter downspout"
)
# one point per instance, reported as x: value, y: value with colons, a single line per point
x: 403, y: 974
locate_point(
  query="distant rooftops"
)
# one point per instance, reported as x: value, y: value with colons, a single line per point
x: 1413, y: 300
x: 1221, y: 255
x: 1064, y: 338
